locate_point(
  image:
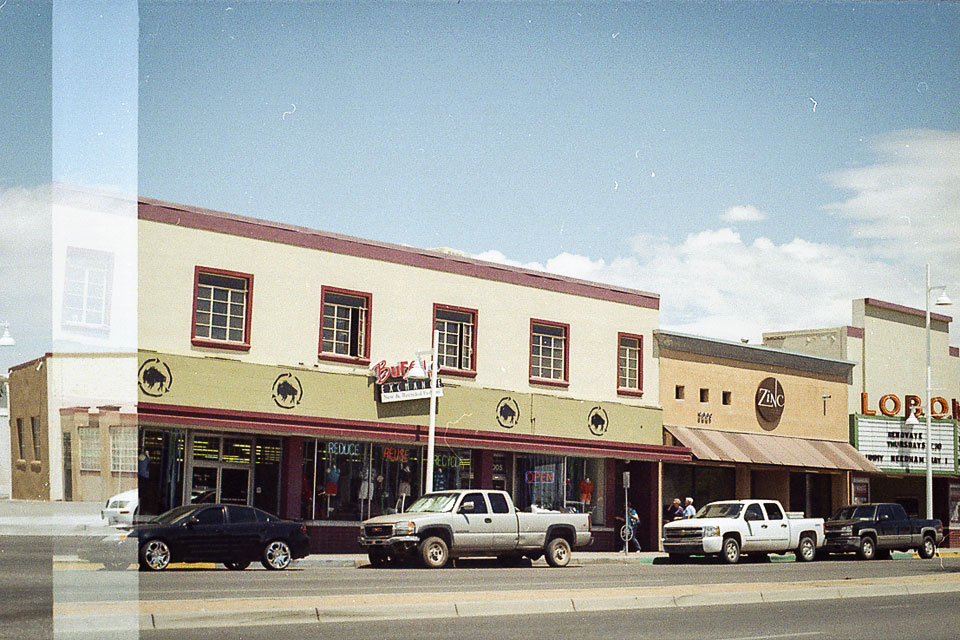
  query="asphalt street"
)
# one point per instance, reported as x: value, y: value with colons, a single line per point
x: 930, y: 617
x: 26, y: 587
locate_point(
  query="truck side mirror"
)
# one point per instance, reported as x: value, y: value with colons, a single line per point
x: 467, y: 507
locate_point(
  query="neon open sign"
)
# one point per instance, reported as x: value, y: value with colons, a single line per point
x: 540, y: 477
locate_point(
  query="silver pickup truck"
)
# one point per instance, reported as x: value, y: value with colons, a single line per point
x: 471, y: 522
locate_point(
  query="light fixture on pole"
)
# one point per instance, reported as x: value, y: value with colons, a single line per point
x: 942, y: 300
x: 7, y: 340
x: 417, y: 371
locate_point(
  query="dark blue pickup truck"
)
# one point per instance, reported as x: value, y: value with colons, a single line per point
x: 874, y: 530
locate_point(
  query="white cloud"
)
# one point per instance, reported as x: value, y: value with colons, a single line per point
x: 903, y: 211
x: 743, y: 213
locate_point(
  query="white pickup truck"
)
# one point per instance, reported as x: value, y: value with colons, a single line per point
x: 748, y: 526
x: 471, y: 522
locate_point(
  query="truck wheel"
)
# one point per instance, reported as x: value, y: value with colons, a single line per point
x: 558, y: 553
x: 730, y: 553
x: 807, y: 550
x: 434, y: 553
x: 927, y: 548
x: 868, y: 549
x: 377, y: 558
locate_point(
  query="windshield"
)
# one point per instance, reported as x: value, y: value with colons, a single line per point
x: 720, y: 510
x: 434, y: 503
x: 175, y: 515
x: 855, y: 513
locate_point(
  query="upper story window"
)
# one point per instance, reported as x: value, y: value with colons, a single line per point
x: 629, y: 364
x: 456, y: 350
x: 345, y: 327
x: 87, y: 281
x: 549, y: 347
x: 222, y: 309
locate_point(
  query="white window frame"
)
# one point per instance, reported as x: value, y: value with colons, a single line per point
x: 123, y: 448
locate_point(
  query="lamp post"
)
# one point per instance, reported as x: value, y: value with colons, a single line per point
x: 416, y: 371
x: 942, y: 300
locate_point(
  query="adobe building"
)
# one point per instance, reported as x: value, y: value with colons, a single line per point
x: 100, y: 452
x: 760, y: 423
x: 888, y: 344
x: 39, y: 389
x: 273, y: 370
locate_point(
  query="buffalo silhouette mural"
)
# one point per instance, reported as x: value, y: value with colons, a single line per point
x: 598, y: 421
x: 154, y: 378
x: 287, y: 391
x: 508, y: 413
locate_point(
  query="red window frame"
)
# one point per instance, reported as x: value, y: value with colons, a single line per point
x: 335, y: 357
x: 248, y: 311
x: 463, y: 373
x: 628, y: 391
x: 566, y: 354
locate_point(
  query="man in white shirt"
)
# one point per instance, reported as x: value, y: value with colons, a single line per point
x: 689, y: 511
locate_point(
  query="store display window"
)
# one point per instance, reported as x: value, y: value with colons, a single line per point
x: 559, y: 483
x: 350, y: 481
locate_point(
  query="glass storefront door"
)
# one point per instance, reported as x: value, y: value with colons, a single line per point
x: 220, y: 468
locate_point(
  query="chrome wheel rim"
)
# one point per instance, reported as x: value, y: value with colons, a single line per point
x: 928, y: 546
x: 731, y: 550
x: 435, y: 553
x: 560, y: 553
x: 156, y: 554
x: 278, y: 555
x: 806, y: 548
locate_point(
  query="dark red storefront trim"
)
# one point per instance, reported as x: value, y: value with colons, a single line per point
x: 200, y: 417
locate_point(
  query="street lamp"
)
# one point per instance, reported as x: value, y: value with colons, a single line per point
x: 942, y: 300
x: 416, y: 371
x: 7, y: 340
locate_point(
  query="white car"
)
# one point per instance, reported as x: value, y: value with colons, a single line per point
x: 121, y: 508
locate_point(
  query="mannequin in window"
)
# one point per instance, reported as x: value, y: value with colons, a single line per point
x: 403, y: 491
x: 586, y: 490
x: 366, y: 483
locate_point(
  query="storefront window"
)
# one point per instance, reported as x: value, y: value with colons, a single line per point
x: 452, y: 469
x: 559, y: 483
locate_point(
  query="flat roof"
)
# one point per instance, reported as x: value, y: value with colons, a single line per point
x: 755, y: 354
x: 231, y: 224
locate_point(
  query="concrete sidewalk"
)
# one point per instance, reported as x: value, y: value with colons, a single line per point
x: 91, y: 618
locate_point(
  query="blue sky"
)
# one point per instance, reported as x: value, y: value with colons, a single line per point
x: 758, y: 164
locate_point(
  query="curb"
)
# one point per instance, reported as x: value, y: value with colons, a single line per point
x: 72, y: 618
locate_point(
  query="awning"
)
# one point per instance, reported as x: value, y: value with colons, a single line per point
x: 756, y: 448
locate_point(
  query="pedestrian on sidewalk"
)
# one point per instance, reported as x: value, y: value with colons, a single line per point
x: 674, y: 511
x: 689, y: 511
x: 633, y: 521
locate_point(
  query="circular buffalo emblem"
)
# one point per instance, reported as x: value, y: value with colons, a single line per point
x: 770, y: 400
x: 154, y: 377
x: 287, y: 391
x: 597, y: 421
x: 508, y: 413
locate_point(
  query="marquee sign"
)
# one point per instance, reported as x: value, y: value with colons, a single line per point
x: 894, y: 446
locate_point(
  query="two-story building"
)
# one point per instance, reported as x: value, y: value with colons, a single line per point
x: 272, y: 362
x: 888, y: 344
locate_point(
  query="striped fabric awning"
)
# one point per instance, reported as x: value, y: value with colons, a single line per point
x: 757, y: 448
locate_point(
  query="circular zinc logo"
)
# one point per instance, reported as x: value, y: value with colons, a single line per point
x: 597, y: 421
x: 154, y: 377
x: 770, y: 400
x: 508, y: 413
x: 287, y: 391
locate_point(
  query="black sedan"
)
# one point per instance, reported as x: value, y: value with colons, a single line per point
x: 232, y: 534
